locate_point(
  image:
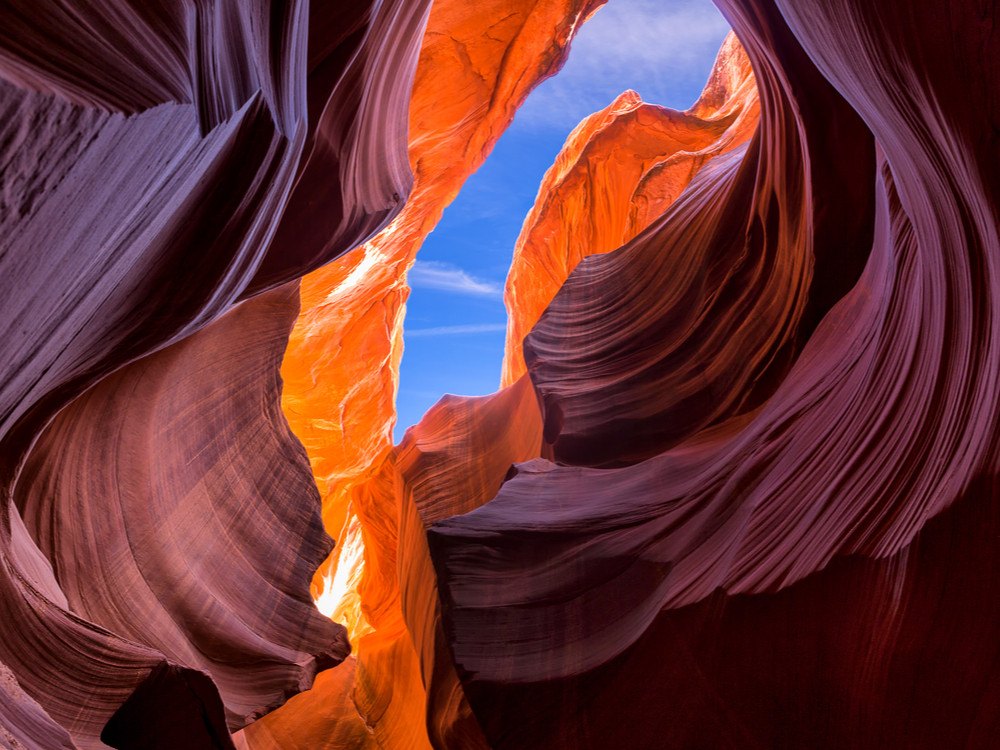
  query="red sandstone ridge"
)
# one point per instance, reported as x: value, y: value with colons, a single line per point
x: 619, y: 170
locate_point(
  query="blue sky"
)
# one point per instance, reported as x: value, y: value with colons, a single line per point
x: 455, y: 320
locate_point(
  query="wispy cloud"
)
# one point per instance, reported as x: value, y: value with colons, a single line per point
x: 432, y: 274
x: 662, y: 50
x: 455, y: 330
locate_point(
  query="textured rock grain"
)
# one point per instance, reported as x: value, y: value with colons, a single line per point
x: 741, y: 492
x: 787, y: 545
x: 154, y: 590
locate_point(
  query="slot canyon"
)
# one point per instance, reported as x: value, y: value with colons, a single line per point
x: 738, y: 484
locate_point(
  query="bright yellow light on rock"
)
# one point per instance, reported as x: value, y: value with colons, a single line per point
x: 338, y: 598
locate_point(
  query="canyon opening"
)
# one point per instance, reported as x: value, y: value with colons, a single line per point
x: 715, y: 282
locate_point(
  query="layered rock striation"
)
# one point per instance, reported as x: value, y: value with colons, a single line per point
x: 772, y: 429
x: 618, y: 171
x: 160, y: 519
x: 739, y: 489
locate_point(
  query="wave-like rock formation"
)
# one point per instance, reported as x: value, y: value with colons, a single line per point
x: 161, y: 522
x: 772, y: 502
x: 619, y: 170
x: 744, y: 493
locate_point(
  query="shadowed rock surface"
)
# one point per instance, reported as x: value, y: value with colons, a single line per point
x: 801, y: 560
x: 148, y: 156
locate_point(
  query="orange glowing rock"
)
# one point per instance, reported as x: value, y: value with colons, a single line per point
x: 403, y: 683
x: 453, y: 461
x: 321, y: 717
x: 341, y: 367
x: 342, y: 363
x: 619, y: 170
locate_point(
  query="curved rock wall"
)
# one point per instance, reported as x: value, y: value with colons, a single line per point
x: 770, y: 509
x: 743, y: 495
x: 619, y: 170
x: 161, y: 520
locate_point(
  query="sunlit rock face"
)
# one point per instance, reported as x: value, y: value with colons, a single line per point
x: 477, y: 64
x: 619, y: 170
